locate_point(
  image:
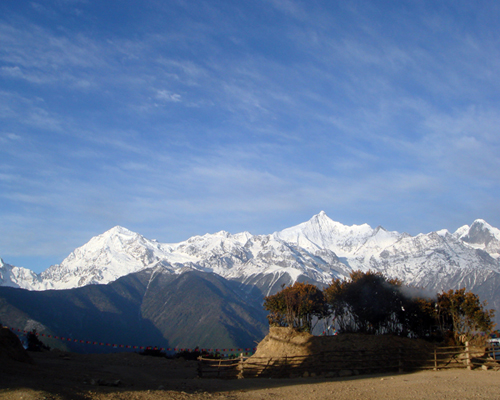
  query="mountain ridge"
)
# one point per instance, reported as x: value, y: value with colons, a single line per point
x: 147, y: 308
x: 316, y: 251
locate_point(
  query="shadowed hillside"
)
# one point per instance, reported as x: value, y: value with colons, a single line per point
x: 203, y: 309
x: 148, y: 308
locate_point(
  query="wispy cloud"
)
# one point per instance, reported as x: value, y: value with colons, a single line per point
x: 465, y: 143
x: 178, y: 120
x: 166, y: 95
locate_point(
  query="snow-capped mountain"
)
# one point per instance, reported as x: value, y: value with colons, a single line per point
x: 105, y: 258
x: 320, y: 232
x: 481, y: 235
x: 315, y: 251
x: 435, y: 261
x: 263, y: 261
x: 17, y: 276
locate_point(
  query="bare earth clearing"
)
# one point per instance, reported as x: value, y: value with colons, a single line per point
x: 59, y: 375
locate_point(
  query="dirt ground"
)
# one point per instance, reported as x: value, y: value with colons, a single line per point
x: 128, y: 376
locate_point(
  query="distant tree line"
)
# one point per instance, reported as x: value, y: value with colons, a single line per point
x: 367, y: 302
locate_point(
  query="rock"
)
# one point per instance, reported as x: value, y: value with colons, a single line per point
x: 345, y: 372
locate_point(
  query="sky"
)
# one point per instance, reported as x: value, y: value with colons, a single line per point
x: 179, y: 118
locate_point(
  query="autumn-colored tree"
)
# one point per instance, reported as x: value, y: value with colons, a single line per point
x: 296, y: 306
x: 463, y: 314
x: 276, y: 306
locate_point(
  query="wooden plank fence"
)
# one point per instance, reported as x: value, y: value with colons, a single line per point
x: 348, y: 363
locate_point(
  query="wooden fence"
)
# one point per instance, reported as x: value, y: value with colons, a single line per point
x: 348, y: 363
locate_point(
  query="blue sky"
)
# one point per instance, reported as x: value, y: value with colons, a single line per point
x: 177, y: 118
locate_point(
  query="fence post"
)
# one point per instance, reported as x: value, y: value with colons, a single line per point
x: 200, y: 367
x: 467, y: 355
x: 400, y: 360
x: 241, y: 367
x: 435, y: 359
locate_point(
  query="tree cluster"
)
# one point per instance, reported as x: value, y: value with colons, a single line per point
x: 296, y: 306
x: 368, y: 302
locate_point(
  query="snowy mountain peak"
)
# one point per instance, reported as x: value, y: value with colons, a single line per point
x: 481, y: 235
x: 480, y: 232
x: 443, y: 232
x: 321, y: 217
x: 321, y: 232
x: 482, y: 225
x: 481, y: 221
x: 319, y: 223
x: 119, y: 230
x: 17, y: 276
x: 103, y: 259
x: 324, y: 222
x: 462, y: 231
